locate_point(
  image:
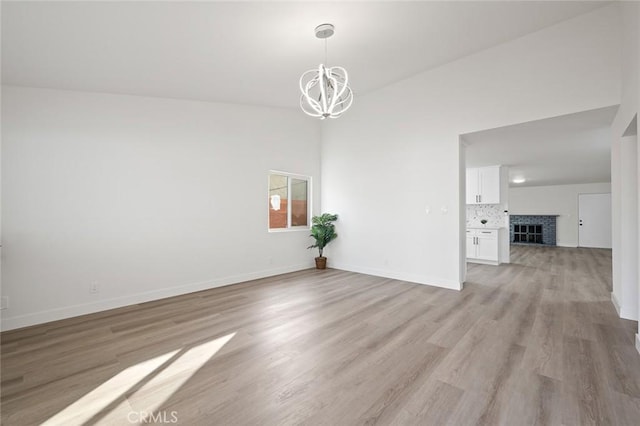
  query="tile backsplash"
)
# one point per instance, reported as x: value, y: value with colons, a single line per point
x: 494, y: 213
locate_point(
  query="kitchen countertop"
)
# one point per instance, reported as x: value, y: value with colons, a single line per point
x: 491, y: 228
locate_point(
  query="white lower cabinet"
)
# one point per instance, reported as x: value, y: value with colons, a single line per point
x: 471, y: 246
x: 483, y: 246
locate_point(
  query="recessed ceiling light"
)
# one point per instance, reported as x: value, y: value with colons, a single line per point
x: 519, y: 180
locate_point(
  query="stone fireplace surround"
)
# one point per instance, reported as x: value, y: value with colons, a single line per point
x: 548, y: 223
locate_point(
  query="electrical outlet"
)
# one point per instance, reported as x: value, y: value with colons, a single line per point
x: 93, y: 288
x: 4, y: 302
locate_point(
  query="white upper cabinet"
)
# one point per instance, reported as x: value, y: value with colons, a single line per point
x: 483, y: 185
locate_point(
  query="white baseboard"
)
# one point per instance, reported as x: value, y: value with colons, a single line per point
x: 616, y: 305
x: 41, y: 317
x: 637, y: 342
x: 483, y: 262
x: 418, y: 279
x: 566, y: 245
x: 623, y: 311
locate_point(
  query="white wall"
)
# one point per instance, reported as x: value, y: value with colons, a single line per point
x: 616, y: 223
x: 396, y: 153
x: 630, y: 96
x: 557, y: 199
x: 149, y: 197
x: 628, y: 307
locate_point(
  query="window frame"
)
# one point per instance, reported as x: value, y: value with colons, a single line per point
x: 289, y: 177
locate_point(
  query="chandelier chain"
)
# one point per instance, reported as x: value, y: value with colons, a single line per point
x: 326, y: 42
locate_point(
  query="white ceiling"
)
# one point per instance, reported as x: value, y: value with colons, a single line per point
x: 249, y: 52
x: 569, y: 149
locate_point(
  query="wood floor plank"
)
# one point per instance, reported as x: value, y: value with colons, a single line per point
x: 584, y: 389
x: 433, y: 403
x: 534, y: 400
x: 544, y: 351
x: 532, y: 342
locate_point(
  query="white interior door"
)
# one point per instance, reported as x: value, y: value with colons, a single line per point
x: 594, y: 226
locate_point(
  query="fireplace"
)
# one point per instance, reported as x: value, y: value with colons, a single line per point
x: 531, y: 234
x: 533, y: 229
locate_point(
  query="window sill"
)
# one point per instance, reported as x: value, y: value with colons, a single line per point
x: 296, y: 229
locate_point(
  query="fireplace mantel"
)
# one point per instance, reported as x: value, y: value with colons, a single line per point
x: 518, y: 214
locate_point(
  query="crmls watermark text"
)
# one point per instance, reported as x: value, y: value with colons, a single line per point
x: 151, y: 417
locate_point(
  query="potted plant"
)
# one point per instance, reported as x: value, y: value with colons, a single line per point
x: 323, y: 231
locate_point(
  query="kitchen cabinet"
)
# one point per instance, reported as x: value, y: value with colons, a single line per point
x: 483, y: 185
x: 483, y: 245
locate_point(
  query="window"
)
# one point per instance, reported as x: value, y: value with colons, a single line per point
x: 288, y: 201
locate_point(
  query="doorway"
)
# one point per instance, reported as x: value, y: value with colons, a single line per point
x: 594, y: 223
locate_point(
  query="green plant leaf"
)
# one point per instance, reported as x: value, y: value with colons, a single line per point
x: 323, y: 230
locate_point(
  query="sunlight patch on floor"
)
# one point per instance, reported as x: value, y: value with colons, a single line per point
x: 165, y: 383
x: 149, y: 383
x: 95, y: 401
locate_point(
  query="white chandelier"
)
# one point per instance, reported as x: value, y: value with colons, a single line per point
x: 325, y: 91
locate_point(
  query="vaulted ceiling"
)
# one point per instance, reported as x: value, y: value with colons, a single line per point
x: 249, y: 52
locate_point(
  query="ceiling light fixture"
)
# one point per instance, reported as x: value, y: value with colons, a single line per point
x: 519, y: 180
x: 325, y: 91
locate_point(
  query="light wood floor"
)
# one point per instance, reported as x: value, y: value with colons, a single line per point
x: 533, y: 342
